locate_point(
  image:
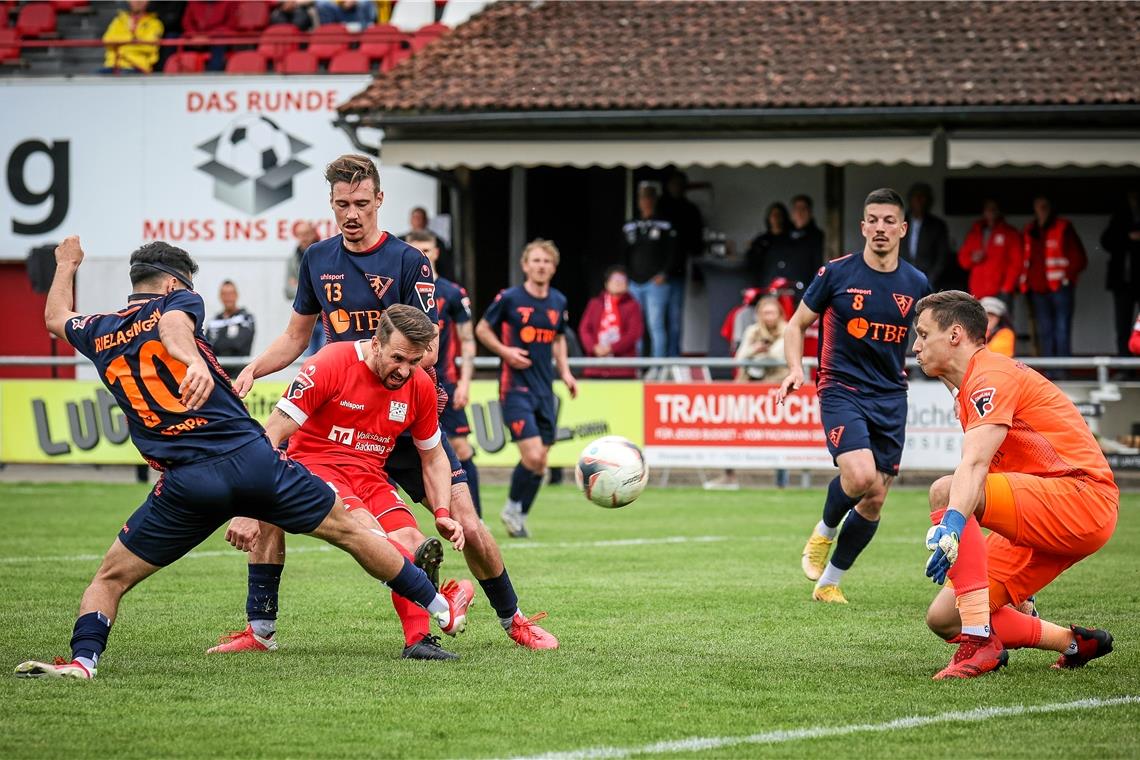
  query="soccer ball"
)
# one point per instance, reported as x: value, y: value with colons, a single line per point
x: 253, y: 145
x: 612, y: 472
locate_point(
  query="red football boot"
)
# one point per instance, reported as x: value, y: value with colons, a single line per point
x: 976, y: 656
x: 459, y: 595
x: 1091, y: 643
x: 525, y: 633
x: 243, y: 641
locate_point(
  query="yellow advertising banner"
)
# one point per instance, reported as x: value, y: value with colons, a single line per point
x: 78, y: 422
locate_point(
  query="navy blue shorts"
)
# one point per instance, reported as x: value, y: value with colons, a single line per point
x: 405, y: 469
x: 852, y: 421
x: 528, y: 415
x: 453, y: 421
x: 191, y: 501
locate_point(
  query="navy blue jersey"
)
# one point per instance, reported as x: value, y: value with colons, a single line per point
x: 865, y: 320
x: 454, y: 309
x: 531, y: 323
x: 350, y: 290
x: 144, y: 379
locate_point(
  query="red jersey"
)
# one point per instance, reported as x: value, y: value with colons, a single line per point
x: 348, y: 419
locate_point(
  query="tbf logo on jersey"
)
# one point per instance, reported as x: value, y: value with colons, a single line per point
x: 983, y: 400
x: 398, y: 411
x: 301, y: 383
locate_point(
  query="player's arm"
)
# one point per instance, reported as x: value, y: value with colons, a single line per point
x: 562, y: 362
x: 437, y: 486
x: 467, y: 370
x: 282, y: 352
x: 176, y: 331
x: 794, y: 348
x: 61, y: 295
x: 280, y: 426
x: 515, y: 357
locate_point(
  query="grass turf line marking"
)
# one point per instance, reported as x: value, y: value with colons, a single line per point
x: 699, y: 744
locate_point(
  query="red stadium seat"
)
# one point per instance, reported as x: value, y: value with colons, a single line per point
x: 9, y: 45
x: 67, y: 6
x: 433, y: 30
x: 397, y: 55
x: 378, y: 41
x: 36, y: 20
x: 270, y: 45
x: 247, y: 62
x: 251, y: 17
x: 329, y: 39
x: 186, y: 62
x: 350, y: 62
x: 298, y: 62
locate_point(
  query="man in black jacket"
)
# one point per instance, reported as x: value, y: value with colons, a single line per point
x: 651, y: 257
x: 806, y: 236
x: 231, y: 330
x: 689, y: 225
x: 927, y: 242
x: 1122, y: 241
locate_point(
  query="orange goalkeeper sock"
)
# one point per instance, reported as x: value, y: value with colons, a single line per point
x: 1057, y: 638
x: 1016, y: 629
x: 974, y: 609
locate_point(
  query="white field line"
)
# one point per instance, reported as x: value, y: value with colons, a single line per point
x: 700, y: 744
x: 621, y: 542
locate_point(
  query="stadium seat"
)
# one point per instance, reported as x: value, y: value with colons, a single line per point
x: 186, y: 62
x: 251, y: 17
x: 270, y: 46
x: 329, y: 39
x: 9, y: 45
x: 398, y: 54
x: 36, y: 20
x: 67, y: 6
x: 350, y: 62
x: 298, y: 62
x: 247, y: 62
x: 378, y: 41
x: 433, y: 30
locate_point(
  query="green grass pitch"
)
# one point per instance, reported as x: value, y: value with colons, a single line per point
x: 711, y: 635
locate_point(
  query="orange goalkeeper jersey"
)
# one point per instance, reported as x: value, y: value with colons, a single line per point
x: 1047, y: 435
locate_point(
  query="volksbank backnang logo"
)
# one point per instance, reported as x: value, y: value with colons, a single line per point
x: 254, y: 162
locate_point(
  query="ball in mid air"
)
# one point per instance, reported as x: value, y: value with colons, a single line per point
x: 611, y: 472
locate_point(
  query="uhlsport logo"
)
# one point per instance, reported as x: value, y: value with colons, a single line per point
x: 254, y: 162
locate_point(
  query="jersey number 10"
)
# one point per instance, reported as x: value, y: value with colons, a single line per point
x: 151, y: 354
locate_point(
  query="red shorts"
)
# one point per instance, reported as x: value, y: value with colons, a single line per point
x: 372, y: 492
x: 1040, y: 528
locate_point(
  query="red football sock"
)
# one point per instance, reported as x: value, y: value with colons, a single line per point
x: 414, y: 618
x: 1015, y: 629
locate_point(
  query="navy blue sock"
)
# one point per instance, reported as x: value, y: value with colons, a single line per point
x: 89, y: 638
x: 501, y: 594
x: 524, y: 486
x: 853, y: 539
x: 837, y: 505
x: 473, y: 483
x: 412, y: 583
x: 261, y: 598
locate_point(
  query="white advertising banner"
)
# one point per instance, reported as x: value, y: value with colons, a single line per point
x: 220, y: 165
x: 933, y: 433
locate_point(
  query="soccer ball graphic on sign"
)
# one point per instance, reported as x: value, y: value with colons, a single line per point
x: 612, y: 472
x: 253, y: 163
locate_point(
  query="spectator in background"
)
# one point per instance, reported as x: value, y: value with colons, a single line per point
x: 1134, y: 341
x: 131, y: 39
x: 689, y: 225
x: 300, y: 13
x: 231, y: 330
x: 1000, y: 337
x: 418, y: 219
x: 1122, y: 241
x: 1053, y: 257
x: 651, y: 254
x: 612, y: 326
x: 764, y: 339
x: 211, y: 18
x: 773, y: 255
x: 992, y: 255
x: 927, y: 242
x: 306, y: 235
x: 359, y: 14
x: 807, y: 237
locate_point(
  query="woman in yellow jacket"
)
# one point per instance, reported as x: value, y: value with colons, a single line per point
x: 1000, y: 337
x: 131, y: 38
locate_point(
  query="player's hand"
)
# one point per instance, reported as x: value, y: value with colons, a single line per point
x: 462, y: 395
x: 516, y: 358
x: 197, y: 385
x: 69, y: 252
x: 943, y: 540
x: 451, y: 531
x: 243, y: 383
x: 571, y: 384
x: 791, y: 383
x: 243, y: 533
x: 601, y: 350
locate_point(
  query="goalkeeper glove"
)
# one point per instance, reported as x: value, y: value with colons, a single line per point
x: 942, y: 539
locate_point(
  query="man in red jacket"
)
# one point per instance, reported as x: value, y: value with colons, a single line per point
x: 1053, y: 257
x: 612, y: 325
x: 991, y: 254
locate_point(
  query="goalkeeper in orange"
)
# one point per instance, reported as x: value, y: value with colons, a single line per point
x: 1031, y: 473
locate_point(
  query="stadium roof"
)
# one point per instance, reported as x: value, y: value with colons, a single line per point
x: 666, y: 58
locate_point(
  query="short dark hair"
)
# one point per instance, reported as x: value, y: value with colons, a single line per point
x: 921, y: 188
x: 409, y: 321
x: 231, y: 283
x: 955, y: 307
x: 164, y: 255
x: 615, y: 269
x: 884, y: 195
x: 352, y: 168
x: 805, y: 198
x: 421, y: 236
x: 419, y: 210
